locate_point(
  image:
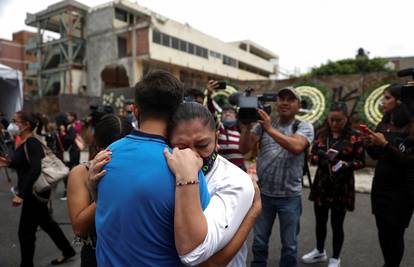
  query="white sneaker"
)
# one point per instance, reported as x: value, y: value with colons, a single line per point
x: 334, y: 262
x: 314, y: 256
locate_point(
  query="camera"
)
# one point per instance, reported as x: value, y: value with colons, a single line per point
x: 221, y: 85
x: 249, y: 104
x: 97, y: 112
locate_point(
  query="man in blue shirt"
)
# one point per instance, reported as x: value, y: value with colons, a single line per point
x: 135, y: 205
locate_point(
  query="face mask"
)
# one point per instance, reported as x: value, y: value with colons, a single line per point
x: 208, y: 162
x: 229, y: 123
x: 13, y: 129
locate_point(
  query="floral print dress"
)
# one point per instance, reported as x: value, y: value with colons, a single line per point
x: 336, y: 189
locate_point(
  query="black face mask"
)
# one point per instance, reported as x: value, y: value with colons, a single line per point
x: 208, y: 162
x: 229, y: 123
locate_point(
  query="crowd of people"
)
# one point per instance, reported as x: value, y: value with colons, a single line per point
x: 166, y: 183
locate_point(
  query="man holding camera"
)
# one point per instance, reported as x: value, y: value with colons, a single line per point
x: 229, y: 132
x: 280, y: 162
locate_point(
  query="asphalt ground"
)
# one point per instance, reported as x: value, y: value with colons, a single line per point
x: 361, y: 247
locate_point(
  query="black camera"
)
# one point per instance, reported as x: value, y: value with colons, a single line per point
x: 97, y: 112
x: 249, y: 104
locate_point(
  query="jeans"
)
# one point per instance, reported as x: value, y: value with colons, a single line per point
x: 289, y: 210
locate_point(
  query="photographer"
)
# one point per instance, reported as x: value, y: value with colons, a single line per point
x: 280, y: 169
x: 229, y: 132
x: 392, y: 187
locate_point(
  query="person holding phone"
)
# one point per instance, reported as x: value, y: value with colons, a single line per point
x: 338, y: 152
x: 392, y: 194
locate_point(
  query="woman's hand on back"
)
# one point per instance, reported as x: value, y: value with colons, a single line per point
x: 96, y: 165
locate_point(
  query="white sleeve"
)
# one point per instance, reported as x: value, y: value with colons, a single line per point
x: 228, y: 206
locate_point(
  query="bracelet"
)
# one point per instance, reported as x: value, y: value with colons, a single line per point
x: 187, y: 183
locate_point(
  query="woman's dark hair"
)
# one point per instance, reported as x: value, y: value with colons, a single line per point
x: 73, y: 114
x: 42, y: 122
x: 401, y: 115
x: 109, y: 129
x: 30, y: 118
x: 324, y: 131
x: 189, y: 111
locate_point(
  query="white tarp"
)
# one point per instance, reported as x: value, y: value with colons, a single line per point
x: 11, y: 91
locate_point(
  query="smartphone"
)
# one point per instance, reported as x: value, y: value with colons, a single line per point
x: 331, y: 153
x: 364, y: 129
x: 221, y: 85
x: 337, y: 166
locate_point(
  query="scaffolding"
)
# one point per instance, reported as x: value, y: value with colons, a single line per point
x: 60, y: 62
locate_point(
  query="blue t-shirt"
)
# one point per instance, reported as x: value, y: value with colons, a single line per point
x: 135, y: 205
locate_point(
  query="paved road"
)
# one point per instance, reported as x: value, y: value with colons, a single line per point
x: 361, y: 247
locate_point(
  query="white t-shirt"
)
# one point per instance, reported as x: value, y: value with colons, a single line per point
x: 232, y: 193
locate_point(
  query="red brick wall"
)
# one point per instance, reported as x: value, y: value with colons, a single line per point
x: 142, y: 41
x: 11, y: 54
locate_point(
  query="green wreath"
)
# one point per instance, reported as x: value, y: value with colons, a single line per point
x: 317, y: 101
x: 369, y: 105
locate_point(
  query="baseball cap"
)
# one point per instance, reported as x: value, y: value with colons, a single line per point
x: 292, y: 90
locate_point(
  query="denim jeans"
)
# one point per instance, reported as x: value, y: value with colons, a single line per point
x: 289, y: 210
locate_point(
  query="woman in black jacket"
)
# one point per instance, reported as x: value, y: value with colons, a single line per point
x: 27, y: 162
x: 392, y: 186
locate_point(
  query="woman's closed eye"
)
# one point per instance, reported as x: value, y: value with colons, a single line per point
x: 202, y: 146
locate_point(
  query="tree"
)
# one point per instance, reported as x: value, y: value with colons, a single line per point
x: 360, y: 64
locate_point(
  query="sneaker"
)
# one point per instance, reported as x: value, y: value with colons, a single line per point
x: 314, y: 256
x: 63, y: 198
x: 334, y: 262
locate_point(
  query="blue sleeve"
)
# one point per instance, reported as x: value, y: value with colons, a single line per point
x: 204, y: 194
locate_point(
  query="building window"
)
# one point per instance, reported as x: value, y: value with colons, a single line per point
x: 122, y: 47
x: 199, y: 51
x: 215, y: 54
x: 191, y: 48
x: 229, y: 61
x: 204, y: 53
x: 165, y: 39
x: 121, y: 14
x: 174, y: 43
x: 156, y: 37
x: 183, y: 46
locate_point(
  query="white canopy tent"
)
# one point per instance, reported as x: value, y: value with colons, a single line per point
x: 11, y: 91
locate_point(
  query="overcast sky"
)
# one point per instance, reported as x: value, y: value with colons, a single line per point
x: 304, y: 33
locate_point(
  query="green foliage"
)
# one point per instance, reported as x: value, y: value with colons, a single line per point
x: 360, y: 64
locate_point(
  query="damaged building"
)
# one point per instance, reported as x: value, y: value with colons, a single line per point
x: 113, y: 45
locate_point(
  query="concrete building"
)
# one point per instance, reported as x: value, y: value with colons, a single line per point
x: 400, y: 63
x: 13, y: 54
x: 60, y: 61
x: 114, y: 44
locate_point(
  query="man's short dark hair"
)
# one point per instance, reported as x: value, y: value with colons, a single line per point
x: 158, y: 95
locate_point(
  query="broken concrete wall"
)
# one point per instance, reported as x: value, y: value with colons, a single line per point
x: 100, y: 49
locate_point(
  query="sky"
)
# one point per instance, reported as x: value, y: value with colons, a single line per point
x: 303, y: 33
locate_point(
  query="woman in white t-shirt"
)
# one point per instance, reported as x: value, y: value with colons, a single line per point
x: 235, y: 199
x: 231, y: 189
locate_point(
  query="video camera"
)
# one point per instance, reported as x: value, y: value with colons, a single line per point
x: 97, y: 112
x: 249, y: 104
x: 407, y: 90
